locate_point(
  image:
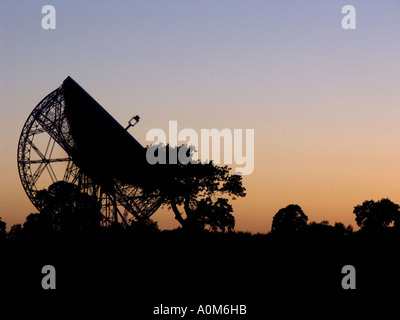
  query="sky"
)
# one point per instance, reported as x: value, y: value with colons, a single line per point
x: 324, y: 102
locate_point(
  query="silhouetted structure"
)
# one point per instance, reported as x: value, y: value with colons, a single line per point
x: 99, y: 156
x: 105, y: 162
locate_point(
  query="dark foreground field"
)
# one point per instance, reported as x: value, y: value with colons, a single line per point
x: 127, y: 275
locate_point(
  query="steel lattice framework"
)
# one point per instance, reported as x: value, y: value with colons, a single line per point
x: 48, y: 122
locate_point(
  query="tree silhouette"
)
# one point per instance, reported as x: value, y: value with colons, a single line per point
x: 196, y: 188
x: 64, y: 208
x: 37, y: 225
x: 216, y: 215
x: 3, y: 226
x: 339, y: 227
x: 324, y: 229
x: 144, y: 226
x: 15, y: 231
x: 373, y: 215
x: 289, y: 219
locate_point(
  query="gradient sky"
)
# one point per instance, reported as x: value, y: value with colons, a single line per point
x: 324, y: 102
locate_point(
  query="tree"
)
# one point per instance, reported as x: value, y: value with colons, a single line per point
x: 37, y: 225
x: 289, y: 219
x: 144, y: 226
x: 339, y: 227
x: 3, y: 231
x: 216, y: 215
x: 64, y: 208
x: 15, y: 231
x: 373, y: 215
x: 324, y: 229
x: 197, y: 189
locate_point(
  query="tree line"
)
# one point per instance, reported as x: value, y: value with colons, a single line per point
x: 199, y: 196
x: 67, y: 211
x: 370, y: 216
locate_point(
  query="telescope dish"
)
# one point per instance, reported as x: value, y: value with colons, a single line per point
x: 70, y: 137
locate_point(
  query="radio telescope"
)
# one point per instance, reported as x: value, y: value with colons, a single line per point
x: 69, y: 137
